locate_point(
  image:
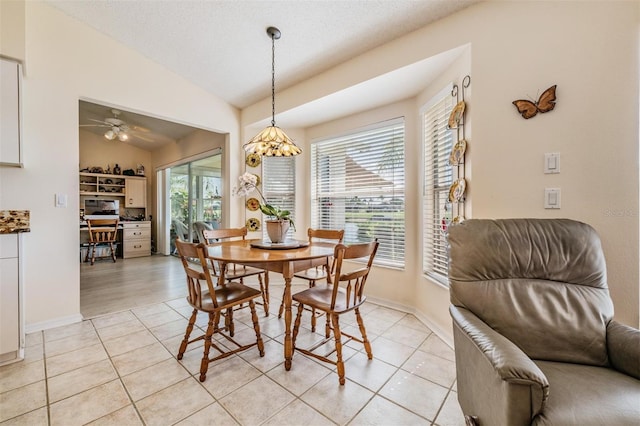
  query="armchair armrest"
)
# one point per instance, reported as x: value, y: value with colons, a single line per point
x: 623, y: 347
x: 497, y: 382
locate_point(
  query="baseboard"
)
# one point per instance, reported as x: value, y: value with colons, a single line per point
x: 445, y: 336
x: 57, y: 322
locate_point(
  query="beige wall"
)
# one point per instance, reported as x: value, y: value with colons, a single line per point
x: 96, y: 151
x: 590, y: 50
x: 67, y: 61
x: 12, y: 30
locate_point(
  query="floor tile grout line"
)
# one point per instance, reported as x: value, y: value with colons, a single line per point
x: 119, y: 378
x: 375, y: 393
x: 46, y: 380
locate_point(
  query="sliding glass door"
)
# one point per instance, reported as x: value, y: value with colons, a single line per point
x: 195, y: 197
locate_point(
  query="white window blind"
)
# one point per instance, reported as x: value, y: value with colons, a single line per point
x: 279, y: 186
x: 357, y: 184
x: 438, y: 177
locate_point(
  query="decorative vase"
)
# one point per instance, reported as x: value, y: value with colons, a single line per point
x: 277, y: 230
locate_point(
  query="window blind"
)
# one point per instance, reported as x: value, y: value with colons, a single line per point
x: 279, y: 186
x: 357, y: 184
x: 438, y: 175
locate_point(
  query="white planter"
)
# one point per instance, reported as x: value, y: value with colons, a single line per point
x: 277, y: 230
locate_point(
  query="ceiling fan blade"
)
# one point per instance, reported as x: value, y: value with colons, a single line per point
x: 94, y: 125
x: 140, y: 129
x: 98, y: 121
x: 142, y: 138
x: 151, y: 137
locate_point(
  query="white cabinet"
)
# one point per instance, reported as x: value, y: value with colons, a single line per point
x: 101, y: 184
x: 136, y: 239
x: 10, y: 126
x: 136, y: 192
x: 11, y: 327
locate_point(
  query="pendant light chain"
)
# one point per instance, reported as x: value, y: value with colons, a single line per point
x: 273, y: 80
x: 272, y: 141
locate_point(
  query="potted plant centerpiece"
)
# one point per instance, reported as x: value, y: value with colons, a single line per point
x: 280, y: 221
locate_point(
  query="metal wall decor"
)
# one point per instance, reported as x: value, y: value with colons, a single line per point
x: 545, y: 103
x: 253, y: 224
x: 253, y: 160
x: 456, y: 157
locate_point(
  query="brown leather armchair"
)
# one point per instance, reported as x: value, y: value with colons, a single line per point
x: 535, y: 342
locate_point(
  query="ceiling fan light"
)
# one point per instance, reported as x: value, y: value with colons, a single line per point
x: 110, y: 134
x: 123, y: 137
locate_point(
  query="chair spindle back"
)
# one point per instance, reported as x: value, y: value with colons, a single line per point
x: 195, y: 277
x: 352, y: 281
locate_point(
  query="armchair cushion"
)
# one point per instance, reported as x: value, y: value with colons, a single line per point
x: 500, y: 268
x: 623, y: 344
x: 588, y: 396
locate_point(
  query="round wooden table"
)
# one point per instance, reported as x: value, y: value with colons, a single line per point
x: 286, y: 262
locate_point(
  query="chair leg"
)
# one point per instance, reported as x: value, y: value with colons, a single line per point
x: 312, y: 283
x: 256, y: 327
x: 93, y: 254
x: 338, y: 338
x: 365, y: 341
x: 228, y: 322
x: 281, y: 310
x: 113, y: 252
x: 185, y: 341
x: 86, y: 256
x: 327, y: 327
x: 204, y: 364
x: 264, y: 289
x: 296, y: 325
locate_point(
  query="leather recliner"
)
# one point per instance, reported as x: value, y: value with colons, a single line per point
x: 535, y: 342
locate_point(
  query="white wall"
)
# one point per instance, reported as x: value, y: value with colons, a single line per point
x: 66, y: 61
x: 590, y: 50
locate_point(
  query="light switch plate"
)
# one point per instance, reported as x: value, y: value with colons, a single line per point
x: 552, y: 162
x: 552, y: 198
x: 61, y: 200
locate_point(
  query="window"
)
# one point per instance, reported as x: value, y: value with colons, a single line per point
x: 357, y: 184
x: 438, y: 176
x: 279, y: 186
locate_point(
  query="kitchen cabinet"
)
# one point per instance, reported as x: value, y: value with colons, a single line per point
x: 136, y: 239
x: 10, y: 113
x: 11, y: 322
x: 136, y: 192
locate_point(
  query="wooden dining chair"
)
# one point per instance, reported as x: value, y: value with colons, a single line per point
x: 102, y: 232
x: 344, y: 294
x: 317, y: 273
x: 235, y: 271
x: 203, y: 295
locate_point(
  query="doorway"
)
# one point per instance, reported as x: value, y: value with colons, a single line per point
x: 194, y: 192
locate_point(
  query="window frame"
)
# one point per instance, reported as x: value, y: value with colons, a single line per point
x: 347, y: 176
x: 435, y: 253
x: 281, y: 194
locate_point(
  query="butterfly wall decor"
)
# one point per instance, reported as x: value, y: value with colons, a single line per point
x: 546, y: 103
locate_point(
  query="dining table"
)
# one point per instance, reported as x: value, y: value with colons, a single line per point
x: 286, y: 259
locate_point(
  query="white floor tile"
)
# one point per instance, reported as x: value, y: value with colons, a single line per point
x: 121, y: 369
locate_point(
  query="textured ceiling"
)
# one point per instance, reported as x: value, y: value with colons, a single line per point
x: 222, y: 45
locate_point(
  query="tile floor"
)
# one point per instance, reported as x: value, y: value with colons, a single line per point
x: 121, y: 369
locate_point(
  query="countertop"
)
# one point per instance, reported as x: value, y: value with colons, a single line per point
x: 14, y: 221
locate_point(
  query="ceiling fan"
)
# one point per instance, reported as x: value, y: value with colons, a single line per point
x: 117, y: 128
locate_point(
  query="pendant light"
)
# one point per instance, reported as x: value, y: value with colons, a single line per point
x: 272, y: 141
